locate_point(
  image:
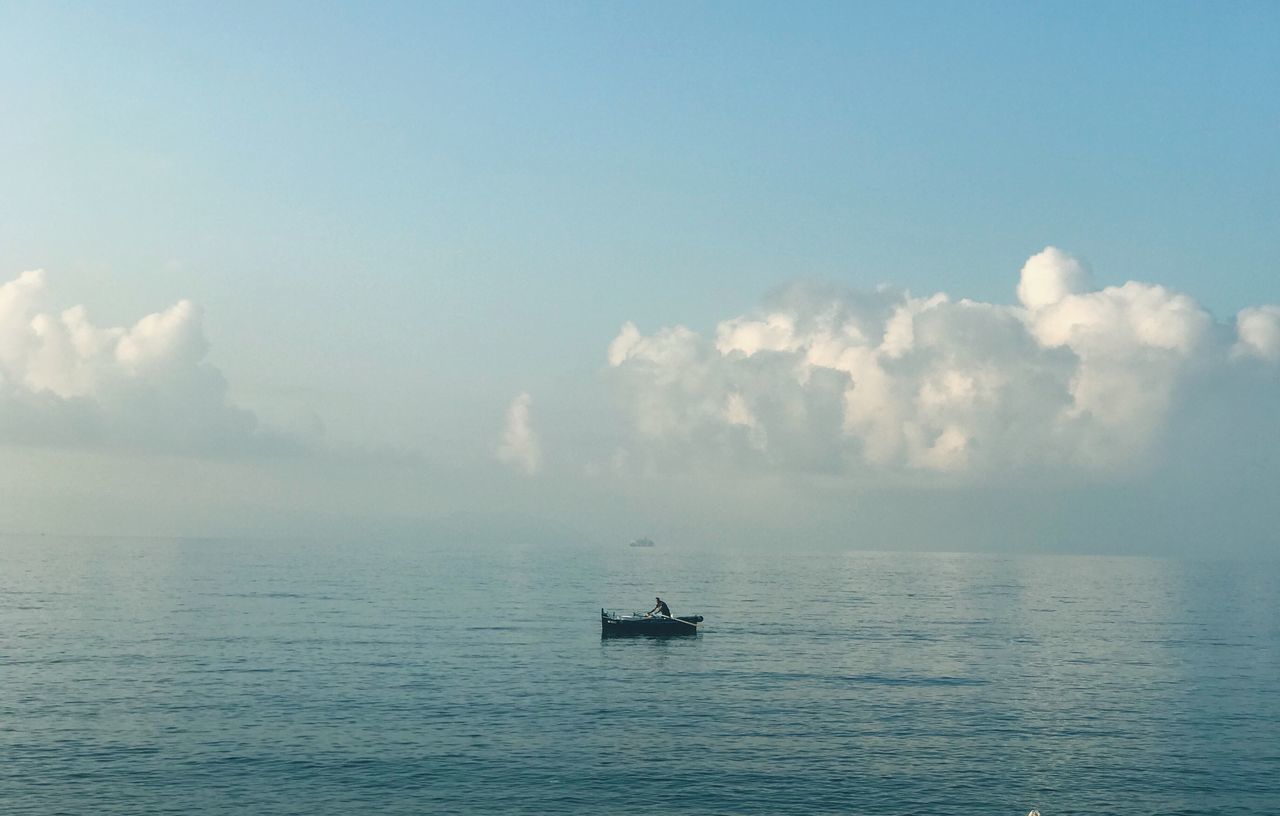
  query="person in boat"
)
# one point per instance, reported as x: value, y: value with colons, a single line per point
x: 661, y: 608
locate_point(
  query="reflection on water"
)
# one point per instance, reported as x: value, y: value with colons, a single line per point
x: 203, y: 677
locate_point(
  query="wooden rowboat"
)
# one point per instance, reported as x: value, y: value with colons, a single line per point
x: 614, y: 625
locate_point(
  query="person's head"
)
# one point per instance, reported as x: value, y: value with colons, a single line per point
x: 659, y: 600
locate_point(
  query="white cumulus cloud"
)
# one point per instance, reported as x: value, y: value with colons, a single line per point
x: 1050, y: 276
x: 1070, y: 378
x: 1258, y: 330
x: 65, y: 380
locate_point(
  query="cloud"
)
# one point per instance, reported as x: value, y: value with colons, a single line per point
x: 1070, y: 379
x: 1049, y: 276
x: 519, y: 446
x: 64, y: 380
x: 1258, y: 329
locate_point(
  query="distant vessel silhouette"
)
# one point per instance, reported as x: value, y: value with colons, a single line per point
x: 642, y: 542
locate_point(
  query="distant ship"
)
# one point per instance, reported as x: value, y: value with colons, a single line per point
x: 642, y: 542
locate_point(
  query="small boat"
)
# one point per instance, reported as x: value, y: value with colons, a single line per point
x: 614, y: 625
x: 641, y: 542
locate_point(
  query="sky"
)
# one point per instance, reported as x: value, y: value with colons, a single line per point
x: 983, y: 276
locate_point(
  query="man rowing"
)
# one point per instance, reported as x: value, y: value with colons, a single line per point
x: 661, y: 608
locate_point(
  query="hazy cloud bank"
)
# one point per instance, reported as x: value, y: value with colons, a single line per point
x: 1071, y: 378
x: 64, y: 380
x: 519, y: 446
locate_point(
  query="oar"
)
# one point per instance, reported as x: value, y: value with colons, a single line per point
x: 677, y: 620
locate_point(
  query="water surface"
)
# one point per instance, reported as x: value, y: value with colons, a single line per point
x: 203, y: 677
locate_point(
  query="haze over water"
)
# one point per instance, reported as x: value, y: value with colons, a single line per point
x: 203, y: 677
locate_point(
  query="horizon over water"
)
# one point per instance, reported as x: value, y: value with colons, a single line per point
x: 235, y: 676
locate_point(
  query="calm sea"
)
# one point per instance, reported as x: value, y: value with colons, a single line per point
x: 201, y: 677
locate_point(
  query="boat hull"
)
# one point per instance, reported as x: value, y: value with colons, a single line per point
x: 645, y: 626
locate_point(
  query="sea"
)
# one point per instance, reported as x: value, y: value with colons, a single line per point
x: 439, y: 677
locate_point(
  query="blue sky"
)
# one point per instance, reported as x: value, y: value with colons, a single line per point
x: 396, y: 218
